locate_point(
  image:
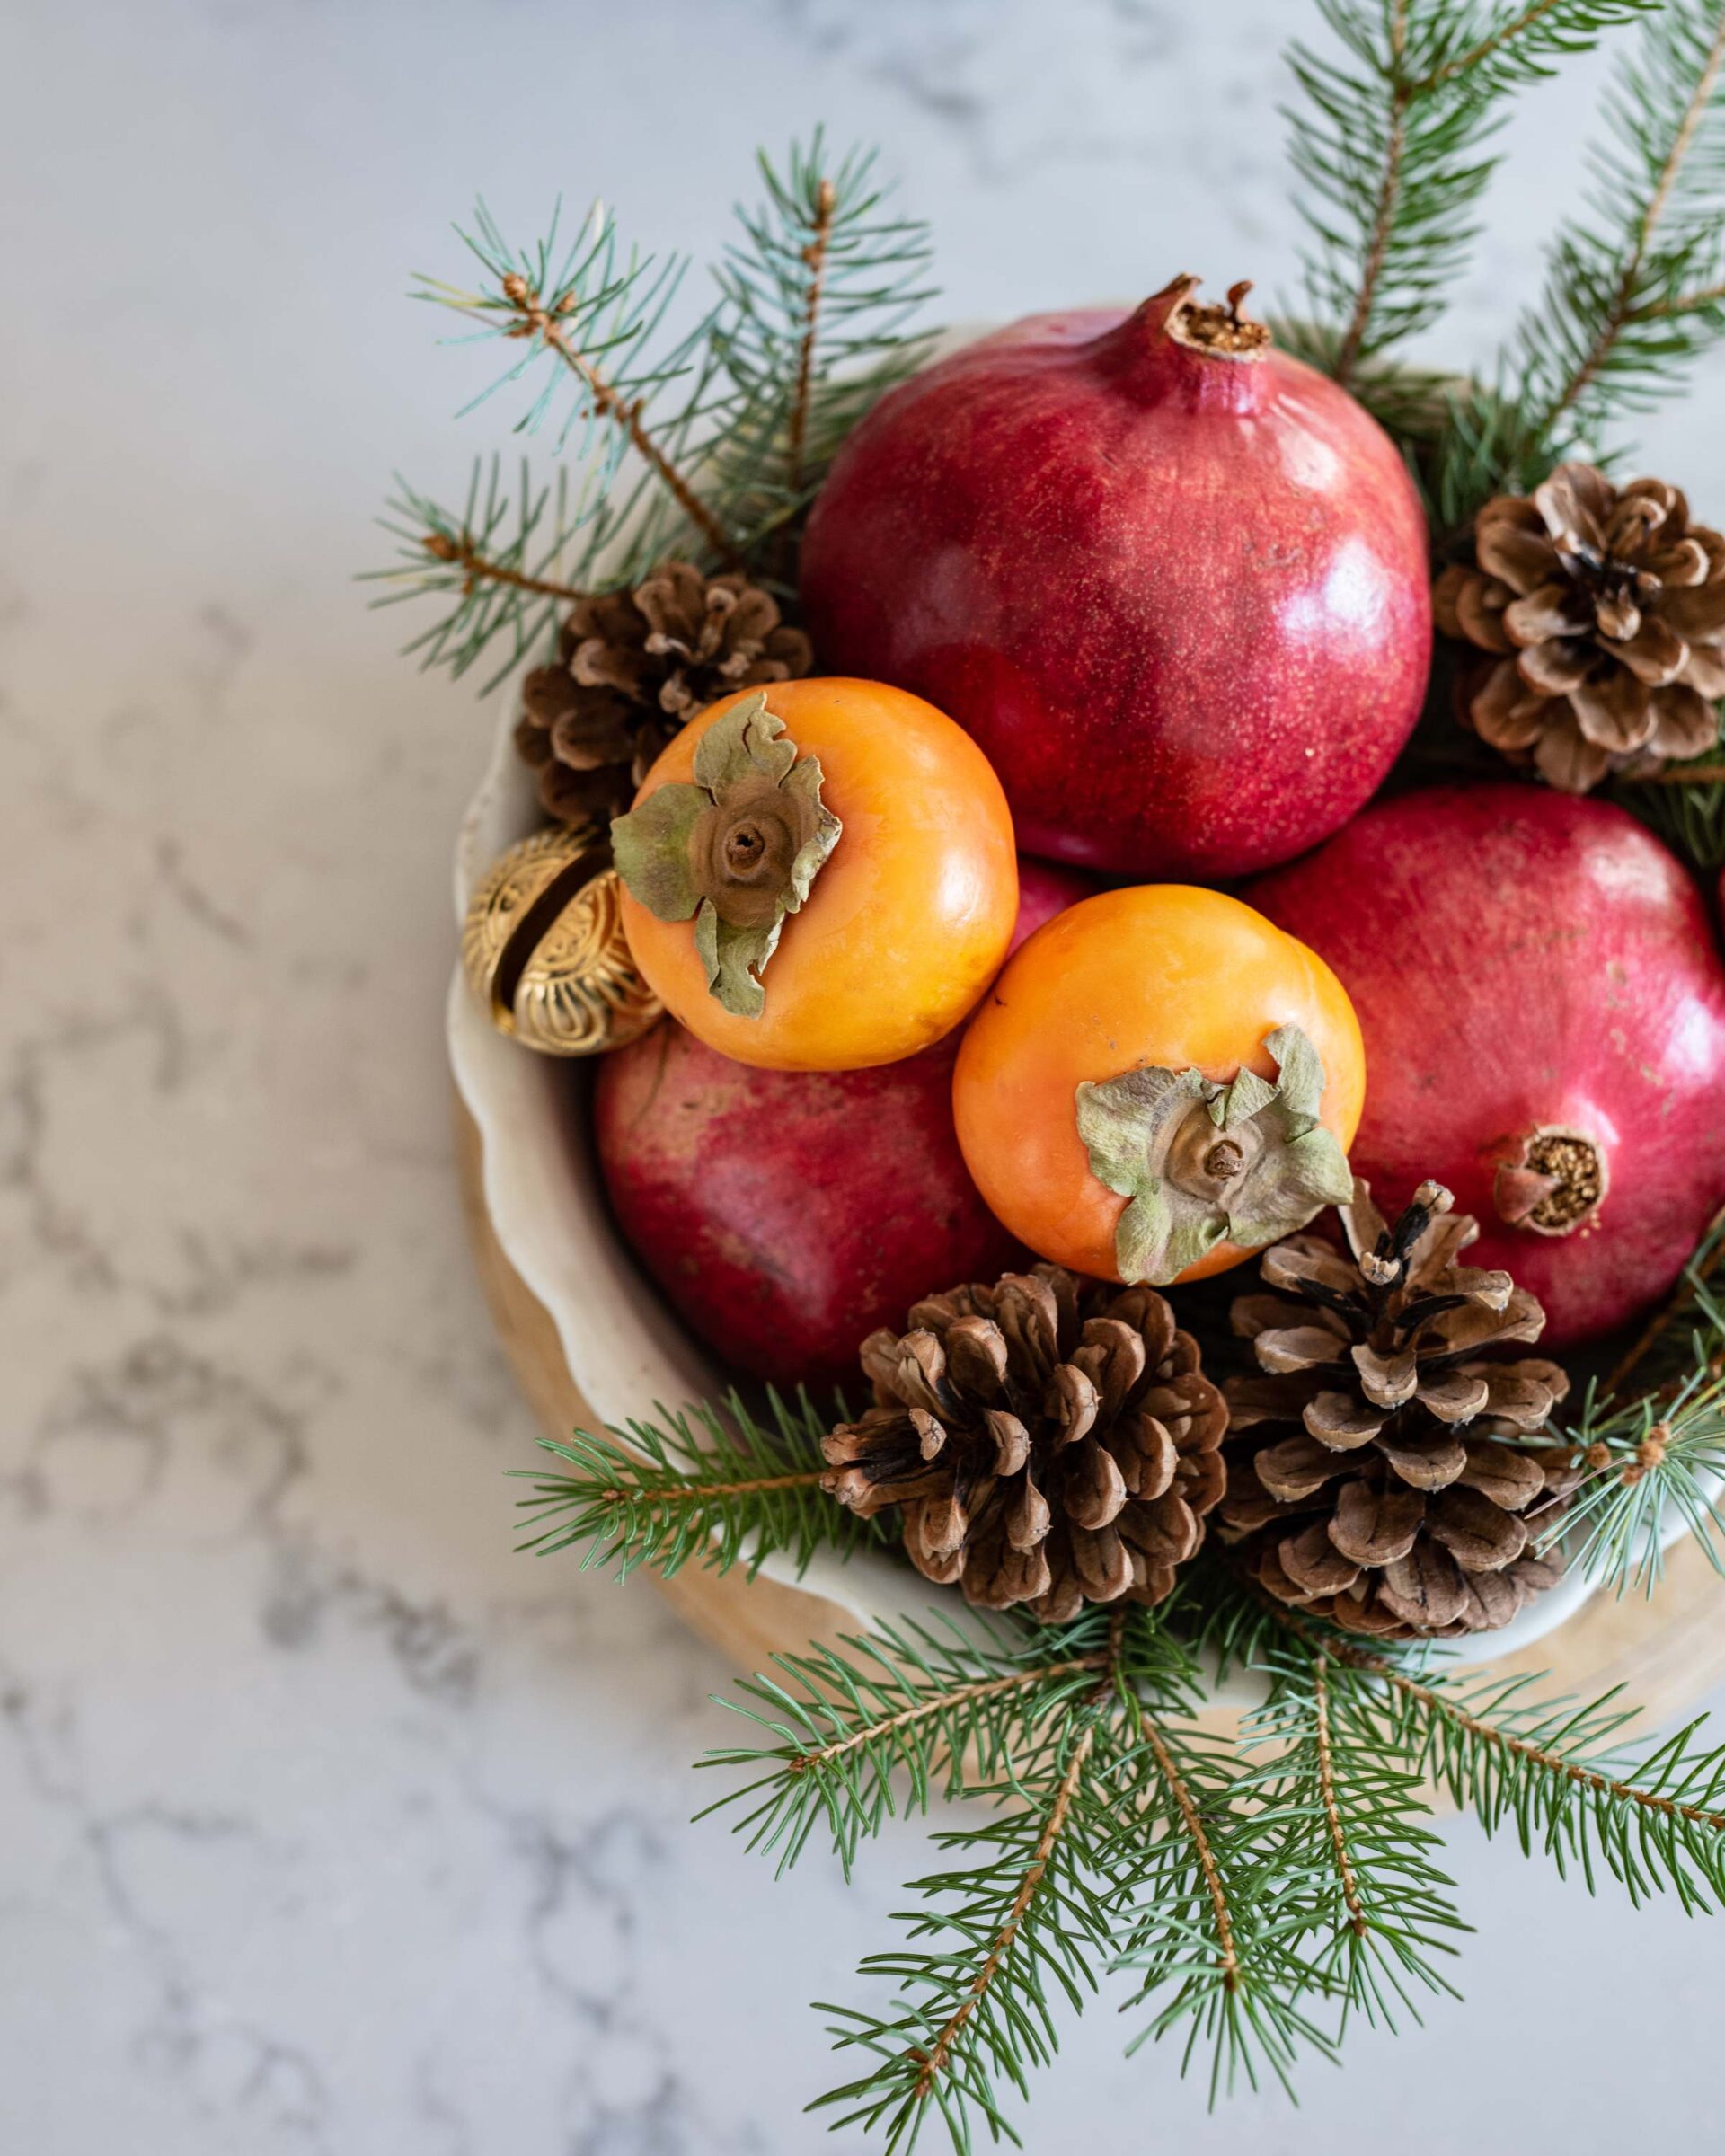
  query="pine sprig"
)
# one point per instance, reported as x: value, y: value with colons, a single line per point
x: 1391, y: 147
x: 1652, y: 1435
x: 503, y: 565
x: 932, y: 1708
x: 1219, y: 1906
x: 1380, y: 1911
x: 706, y: 442
x: 590, y: 319
x: 820, y: 297
x: 1573, y: 1778
x: 995, y: 1948
x: 709, y: 1485
x: 1634, y: 293
x: 1565, y: 1776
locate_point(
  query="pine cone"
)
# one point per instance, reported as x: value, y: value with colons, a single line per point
x: 1606, y: 610
x: 1392, y: 1506
x: 632, y: 667
x: 1050, y: 1441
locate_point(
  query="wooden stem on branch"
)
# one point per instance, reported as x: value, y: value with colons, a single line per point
x: 536, y: 320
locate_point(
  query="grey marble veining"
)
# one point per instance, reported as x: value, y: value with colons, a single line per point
x: 327, y: 1823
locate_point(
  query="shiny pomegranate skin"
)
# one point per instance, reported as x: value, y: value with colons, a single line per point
x: 786, y: 1214
x: 1180, y: 597
x: 1525, y: 961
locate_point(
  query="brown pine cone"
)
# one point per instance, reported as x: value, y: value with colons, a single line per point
x: 1375, y: 1488
x: 633, y: 666
x: 1050, y: 1441
x: 1605, y: 608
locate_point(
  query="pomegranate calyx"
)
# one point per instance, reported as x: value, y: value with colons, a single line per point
x: 1218, y: 327
x: 1202, y: 1162
x: 1552, y: 1181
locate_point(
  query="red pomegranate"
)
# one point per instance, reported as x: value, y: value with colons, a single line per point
x: 785, y: 1214
x: 1544, y: 1009
x: 1173, y: 581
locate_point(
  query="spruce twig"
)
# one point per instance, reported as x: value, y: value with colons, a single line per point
x: 814, y: 255
x: 820, y: 297
x: 1655, y: 1447
x: 710, y: 1485
x: 1563, y: 1772
x: 1034, y: 1917
x: 928, y: 1706
x: 1391, y: 147
x: 1379, y: 1911
x: 503, y: 564
x: 1389, y: 197
x: 1633, y: 294
x: 732, y: 424
x: 1626, y: 303
x: 934, y: 2062
x: 595, y: 317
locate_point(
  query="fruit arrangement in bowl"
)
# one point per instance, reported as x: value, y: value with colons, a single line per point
x: 1091, y: 983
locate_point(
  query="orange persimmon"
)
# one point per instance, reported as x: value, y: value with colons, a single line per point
x: 901, y: 921
x: 1099, y: 1097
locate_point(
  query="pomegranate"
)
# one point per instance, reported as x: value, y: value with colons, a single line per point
x: 784, y: 1214
x: 1544, y: 1009
x: 1173, y: 580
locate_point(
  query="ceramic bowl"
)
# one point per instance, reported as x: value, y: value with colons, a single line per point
x: 626, y: 1351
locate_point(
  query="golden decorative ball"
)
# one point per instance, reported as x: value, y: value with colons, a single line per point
x: 544, y: 951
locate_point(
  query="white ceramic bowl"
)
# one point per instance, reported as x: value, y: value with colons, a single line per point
x: 624, y: 1349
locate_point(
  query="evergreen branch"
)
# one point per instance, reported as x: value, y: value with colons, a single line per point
x: 504, y: 564
x: 1647, y: 1461
x: 934, y: 2064
x: 1390, y: 147
x: 608, y: 403
x: 1659, y: 1451
x: 819, y: 294
x: 1379, y: 1910
x: 1532, y: 27
x: 464, y: 554
x: 1612, y: 328
x: 1389, y: 196
x: 707, y: 444
x: 1331, y: 1803
x: 1562, y: 1772
x: 1032, y: 1922
x: 814, y: 255
x: 1221, y: 1899
x: 935, y: 1709
x: 1684, y: 303
x: 1191, y: 1820
x: 597, y: 319
x: 710, y: 1485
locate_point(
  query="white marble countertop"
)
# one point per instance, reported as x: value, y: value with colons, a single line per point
x: 326, y: 1823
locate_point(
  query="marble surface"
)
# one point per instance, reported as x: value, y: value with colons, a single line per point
x: 326, y: 1823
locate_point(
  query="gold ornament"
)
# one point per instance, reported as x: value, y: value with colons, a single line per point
x: 543, y: 950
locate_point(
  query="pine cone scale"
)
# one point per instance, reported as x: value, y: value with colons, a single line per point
x: 1376, y: 1526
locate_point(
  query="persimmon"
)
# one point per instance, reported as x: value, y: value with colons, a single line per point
x: 820, y: 875
x: 1160, y: 1082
